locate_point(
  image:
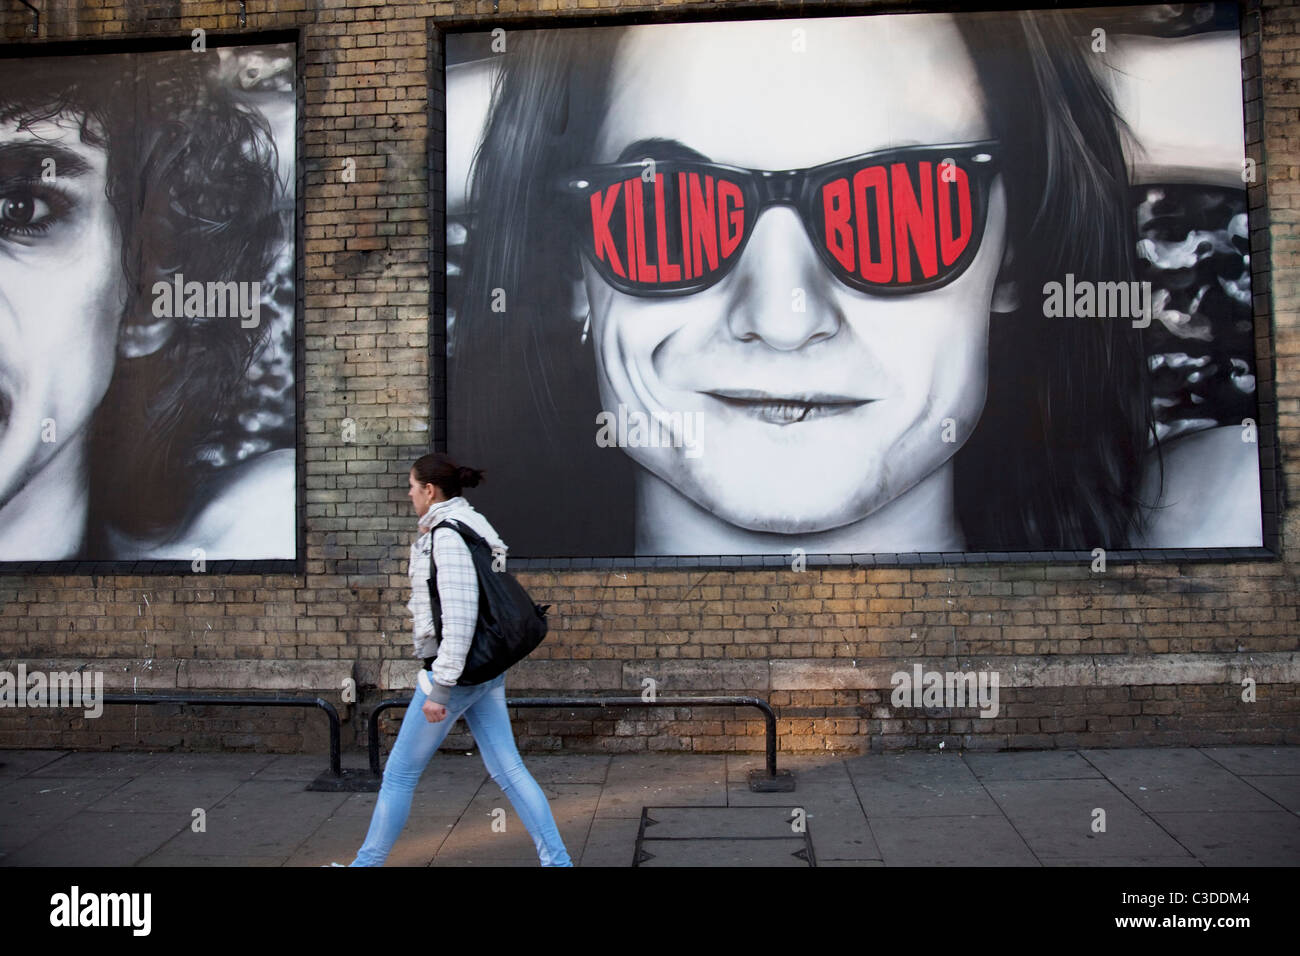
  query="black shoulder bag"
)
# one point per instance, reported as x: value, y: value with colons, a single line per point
x: 509, y: 624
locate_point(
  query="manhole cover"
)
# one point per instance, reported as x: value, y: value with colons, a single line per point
x: 723, y: 836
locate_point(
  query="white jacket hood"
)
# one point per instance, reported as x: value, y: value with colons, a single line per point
x: 461, y: 510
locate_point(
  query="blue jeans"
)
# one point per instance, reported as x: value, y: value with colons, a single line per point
x: 484, y: 707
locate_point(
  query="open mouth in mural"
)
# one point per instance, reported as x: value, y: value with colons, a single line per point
x: 786, y: 409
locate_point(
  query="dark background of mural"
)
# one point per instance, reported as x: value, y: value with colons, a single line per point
x: 1194, y: 249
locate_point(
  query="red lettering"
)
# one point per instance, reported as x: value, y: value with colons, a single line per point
x: 647, y: 271
x: 912, y: 222
x: 735, y: 217
x: 951, y: 246
x: 686, y: 226
x: 704, y: 237
x: 668, y: 272
x: 628, y: 201
x: 873, y: 178
x: 601, y: 212
x: 835, y: 209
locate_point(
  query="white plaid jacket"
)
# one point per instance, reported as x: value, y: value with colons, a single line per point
x: 457, y: 590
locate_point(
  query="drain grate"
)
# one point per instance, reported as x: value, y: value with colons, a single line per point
x: 723, y: 836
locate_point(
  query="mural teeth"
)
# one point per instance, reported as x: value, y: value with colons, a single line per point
x: 785, y: 413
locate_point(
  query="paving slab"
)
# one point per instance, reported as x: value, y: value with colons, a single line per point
x: 611, y: 841
x: 211, y: 862
x: 821, y: 862
x: 637, y: 781
x: 912, y: 785
x: 241, y: 765
x: 456, y: 859
x: 1237, y: 839
x: 1055, y: 818
x: 1031, y: 765
x: 1257, y: 761
x: 100, y: 839
x: 304, y: 767
x: 1282, y: 790
x: 99, y: 764
x: 175, y: 796
x: 258, y: 819
x: 567, y: 768
x: 16, y: 763
x: 840, y: 834
x: 971, y: 840
x: 644, y: 767
x: 1138, y: 861
x: 1177, y: 780
x: 34, y: 804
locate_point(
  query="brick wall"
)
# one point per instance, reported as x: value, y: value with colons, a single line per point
x: 1148, y: 653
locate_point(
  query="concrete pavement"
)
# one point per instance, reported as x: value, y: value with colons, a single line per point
x: 1193, y: 807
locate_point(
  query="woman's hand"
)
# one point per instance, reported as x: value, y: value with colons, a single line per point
x: 433, y: 711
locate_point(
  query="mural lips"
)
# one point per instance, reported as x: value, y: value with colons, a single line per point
x: 786, y: 410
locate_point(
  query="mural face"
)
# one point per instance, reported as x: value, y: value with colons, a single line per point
x: 147, y: 306
x: 883, y: 284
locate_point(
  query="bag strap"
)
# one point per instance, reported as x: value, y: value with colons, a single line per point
x: 471, y: 537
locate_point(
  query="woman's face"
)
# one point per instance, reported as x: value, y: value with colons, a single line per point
x: 809, y: 419
x: 421, y: 495
x: 61, y: 294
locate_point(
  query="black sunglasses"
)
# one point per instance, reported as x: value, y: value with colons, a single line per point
x: 890, y: 222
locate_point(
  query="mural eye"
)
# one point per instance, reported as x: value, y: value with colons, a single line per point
x: 21, y: 209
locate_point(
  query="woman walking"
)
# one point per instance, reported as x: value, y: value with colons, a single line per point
x: 435, y: 492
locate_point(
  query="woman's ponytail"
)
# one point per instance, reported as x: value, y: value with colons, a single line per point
x: 438, y: 469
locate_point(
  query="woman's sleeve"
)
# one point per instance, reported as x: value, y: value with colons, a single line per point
x: 458, y: 592
x: 420, y: 606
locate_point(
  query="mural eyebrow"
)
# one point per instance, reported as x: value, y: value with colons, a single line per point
x: 19, y: 158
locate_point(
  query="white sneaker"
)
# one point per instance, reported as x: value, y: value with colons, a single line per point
x: 333, y: 864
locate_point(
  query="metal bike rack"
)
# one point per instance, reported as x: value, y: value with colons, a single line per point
x: 334, y: 779
x: 769, y: 780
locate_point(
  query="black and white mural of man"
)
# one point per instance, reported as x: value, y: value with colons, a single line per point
x: 147, y: 305
x: 883, y: 284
